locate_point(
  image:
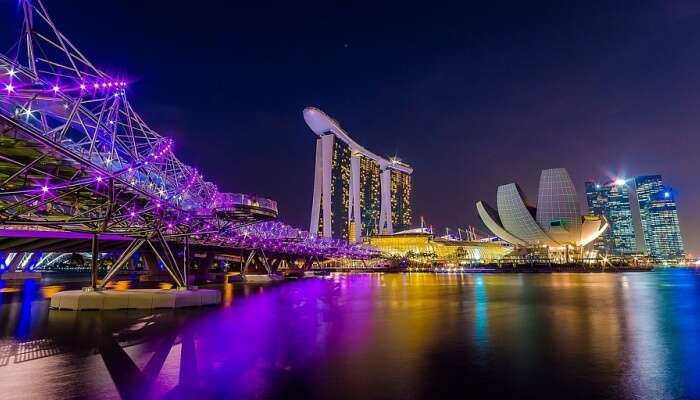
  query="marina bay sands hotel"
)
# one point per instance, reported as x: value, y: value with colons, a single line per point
x: 356, y: 192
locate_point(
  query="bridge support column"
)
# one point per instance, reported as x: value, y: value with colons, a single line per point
x: 186, y: 259
x: 203, y: 266
x: 166, y: 259
x: 122, y: 260
x: 95, y: 258
x: 171, y: 261
x: 308, y: 262
x: 257, y: 264
x: 151, y: 263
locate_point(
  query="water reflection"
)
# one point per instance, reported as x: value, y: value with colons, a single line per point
x: 370, y: 336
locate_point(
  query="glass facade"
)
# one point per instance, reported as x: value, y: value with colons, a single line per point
x: 612, y: 201
x: 340, y: 189
x: 370, y: 195
x: 401, y: 214
x: 659, y: 217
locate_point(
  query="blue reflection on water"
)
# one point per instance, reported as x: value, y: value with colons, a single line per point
x: 30, y: 293
x: 481, y: 307
x: 683, y: 304
x: 379, y: 336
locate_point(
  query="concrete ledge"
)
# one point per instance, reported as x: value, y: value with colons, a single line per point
x: 19, y: 276
x: 134, y: 298
x: 263, y: 278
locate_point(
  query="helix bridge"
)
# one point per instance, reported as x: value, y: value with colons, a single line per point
x: 76, y: 156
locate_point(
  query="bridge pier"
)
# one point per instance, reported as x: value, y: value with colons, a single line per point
x: 257, y: 268
x: 95, y: 247
x: 201, y: 273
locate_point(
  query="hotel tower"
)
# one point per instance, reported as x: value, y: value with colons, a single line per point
x: 356, y: 192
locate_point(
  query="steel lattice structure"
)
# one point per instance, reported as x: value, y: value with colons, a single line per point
x: 75, y: 155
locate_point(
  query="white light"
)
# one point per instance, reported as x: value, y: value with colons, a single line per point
x: 12, y: 73
x: 9, y: 88
x: 56, y: 89
x: 45, y: 189
x: 99, y: 179
x: 620, y: 182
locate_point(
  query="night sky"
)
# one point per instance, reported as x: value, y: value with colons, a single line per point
x: 471, y: 95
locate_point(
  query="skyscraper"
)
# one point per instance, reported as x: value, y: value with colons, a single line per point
x: 612, y: 201
x: 659, y: 217
x: 356, y: 192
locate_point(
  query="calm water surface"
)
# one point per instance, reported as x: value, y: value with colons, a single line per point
x: 374, y: 336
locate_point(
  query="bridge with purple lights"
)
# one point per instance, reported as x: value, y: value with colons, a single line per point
x: 75, y: 156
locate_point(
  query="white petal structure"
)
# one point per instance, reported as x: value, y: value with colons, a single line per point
x: 518, y: 217
x: 490, y: 218
x: 556, y: 221
x: 558, y: 212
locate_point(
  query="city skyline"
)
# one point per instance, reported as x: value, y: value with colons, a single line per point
x: 590, y: 79
x: 642, y: 214
x: 153, y: 232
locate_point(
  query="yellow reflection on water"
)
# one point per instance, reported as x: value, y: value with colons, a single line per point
x: 165, y: 285
x: 228, y: 291
x: 119, y: 285
x: 49, y: 291
x: 9, y: 290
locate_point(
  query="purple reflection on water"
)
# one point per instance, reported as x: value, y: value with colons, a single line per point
x: 268, y: 343
x: 371, y: 336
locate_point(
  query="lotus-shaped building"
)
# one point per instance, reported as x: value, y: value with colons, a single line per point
x: 555, y: 222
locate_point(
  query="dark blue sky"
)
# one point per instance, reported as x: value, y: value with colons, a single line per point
x: 472, y: 95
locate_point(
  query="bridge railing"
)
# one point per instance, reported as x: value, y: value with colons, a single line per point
x: 234, y: 200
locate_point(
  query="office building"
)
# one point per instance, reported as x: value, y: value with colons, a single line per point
x: 659, y: 218
x: 612, y: 201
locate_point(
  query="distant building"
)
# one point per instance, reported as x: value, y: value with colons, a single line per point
x: 421, y: 246
x: 659, y: 218
x: 555, y: 224
x: 612, y: 201
x: 356, y: 192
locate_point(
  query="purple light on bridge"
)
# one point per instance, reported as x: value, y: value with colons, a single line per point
x: 175, y: 189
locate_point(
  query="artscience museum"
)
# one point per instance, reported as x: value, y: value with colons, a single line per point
x: 555, y: 224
